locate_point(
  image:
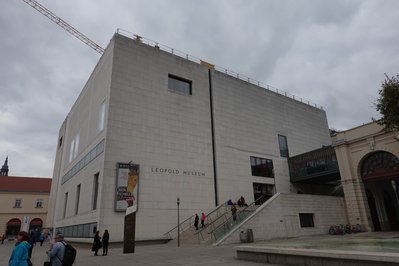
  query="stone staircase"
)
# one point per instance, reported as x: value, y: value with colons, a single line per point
x: 219, y: 222
x: 188, y: 233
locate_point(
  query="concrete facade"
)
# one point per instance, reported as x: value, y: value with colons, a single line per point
x: 352, y: 147
x: 170, y: 135
x: 279, y: 217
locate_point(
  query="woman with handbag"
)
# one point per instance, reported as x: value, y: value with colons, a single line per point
x: 96, y: 243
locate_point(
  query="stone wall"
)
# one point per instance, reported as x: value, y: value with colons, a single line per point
x: 279, y: 218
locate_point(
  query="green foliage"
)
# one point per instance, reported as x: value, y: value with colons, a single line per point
x: 388, y: 103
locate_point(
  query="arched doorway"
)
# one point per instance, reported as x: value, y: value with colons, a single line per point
x: 36, y: 224
x: 380, y: 175
x: 13, y: 227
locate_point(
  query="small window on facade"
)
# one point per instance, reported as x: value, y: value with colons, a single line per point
x: 180, y: 85
x: 77, y: 199
x: 60, y: 143
x: 71, y: 148
x: 39, y: 203
x: 95, y: 191
x: 65, y: 205
x: 75, y: 151
x: 101, y: 117
x: 261, y: 167
x: 306, y: 219
x: 283, y: 144
x: 18, y: 203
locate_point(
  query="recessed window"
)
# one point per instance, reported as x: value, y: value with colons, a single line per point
x: 101, y: 117
x: 65, y: 205
x: 18, y: 203
x: 77, y: 199
x: 179, y: 85
x: 39, y: 203
x: 283, y: 144
x: 306, y: 219
x: 60, y: 143
x: 95, y: 191
x: 261, y: 167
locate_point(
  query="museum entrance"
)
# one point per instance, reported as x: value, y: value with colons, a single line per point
x: 13, y: 227
x: 380, y: 175
x: 262, y: 192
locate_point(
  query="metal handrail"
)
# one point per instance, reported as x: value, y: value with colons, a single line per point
x: 179, y: 225
x: 245, y: 209
x: 190, y: 218
x: 211, y: 224
x: 217, y: 68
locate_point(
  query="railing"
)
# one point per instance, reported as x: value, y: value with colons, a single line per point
x: 218, y: 68
x: 234, y: 221
x: 188, y: 223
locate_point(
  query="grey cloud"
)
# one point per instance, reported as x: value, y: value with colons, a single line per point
x: 333, y: 53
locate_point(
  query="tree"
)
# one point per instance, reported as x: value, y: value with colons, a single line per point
x: 388, y: 103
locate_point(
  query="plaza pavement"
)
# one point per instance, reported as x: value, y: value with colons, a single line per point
x: 163, y: 255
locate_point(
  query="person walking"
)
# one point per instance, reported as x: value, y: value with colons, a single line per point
x: 31, y: 241
x: 20, y: 254
x: 196, y: 220
x: 41, y: 238
x: 234, y: 212
x: 96, y: 243
x: 105, y: 241
x: 203, y: 218
x: 57, y: 251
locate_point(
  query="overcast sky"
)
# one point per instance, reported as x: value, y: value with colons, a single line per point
x: 333, y: 53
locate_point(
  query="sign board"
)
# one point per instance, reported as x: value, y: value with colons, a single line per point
x: 127, y: 180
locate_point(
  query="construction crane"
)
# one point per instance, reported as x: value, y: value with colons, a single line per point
x: 65, y: 25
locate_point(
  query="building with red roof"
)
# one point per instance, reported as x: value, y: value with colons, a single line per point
x: 24, y: 202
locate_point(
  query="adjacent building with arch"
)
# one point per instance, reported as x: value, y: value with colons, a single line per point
x: 24, y: 204
x: 368, y: 159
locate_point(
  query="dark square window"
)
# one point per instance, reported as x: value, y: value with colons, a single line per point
x: 306, y: 219
x: 282, y: 142
x: 261, y: 167
x: 179, y: 85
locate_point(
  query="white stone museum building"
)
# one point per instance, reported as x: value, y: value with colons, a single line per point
x: 191, y: 131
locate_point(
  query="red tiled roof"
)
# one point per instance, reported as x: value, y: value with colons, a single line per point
x: 25, y: 184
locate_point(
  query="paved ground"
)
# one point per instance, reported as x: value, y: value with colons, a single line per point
x: 163, y: 255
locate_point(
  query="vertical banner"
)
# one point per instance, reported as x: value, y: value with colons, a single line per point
x: 127, y: 179
x: 25, y: 224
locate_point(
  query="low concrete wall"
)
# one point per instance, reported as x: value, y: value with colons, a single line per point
x: 300, y: 257
x: 279, y: 217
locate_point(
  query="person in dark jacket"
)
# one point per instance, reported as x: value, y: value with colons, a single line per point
x: 196, y: 220
x: 96, y: 243
x: 105, y: 241
x: 32, y: 242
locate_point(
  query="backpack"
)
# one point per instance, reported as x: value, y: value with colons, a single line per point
x: 69, y: 255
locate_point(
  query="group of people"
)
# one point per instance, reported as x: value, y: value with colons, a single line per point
x: 240, y: 203
x: 59, y: 253
x: 100, y: 243
x: 196, y: 220
x: 22, y: 251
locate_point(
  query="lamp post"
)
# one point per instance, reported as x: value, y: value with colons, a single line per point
x: 178, y: 222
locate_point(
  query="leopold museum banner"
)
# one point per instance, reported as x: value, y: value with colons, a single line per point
x: 126, y: 186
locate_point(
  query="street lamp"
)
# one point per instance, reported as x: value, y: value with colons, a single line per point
x: 178, y: 222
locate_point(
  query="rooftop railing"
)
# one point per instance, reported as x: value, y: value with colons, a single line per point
x: 217, y: 68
